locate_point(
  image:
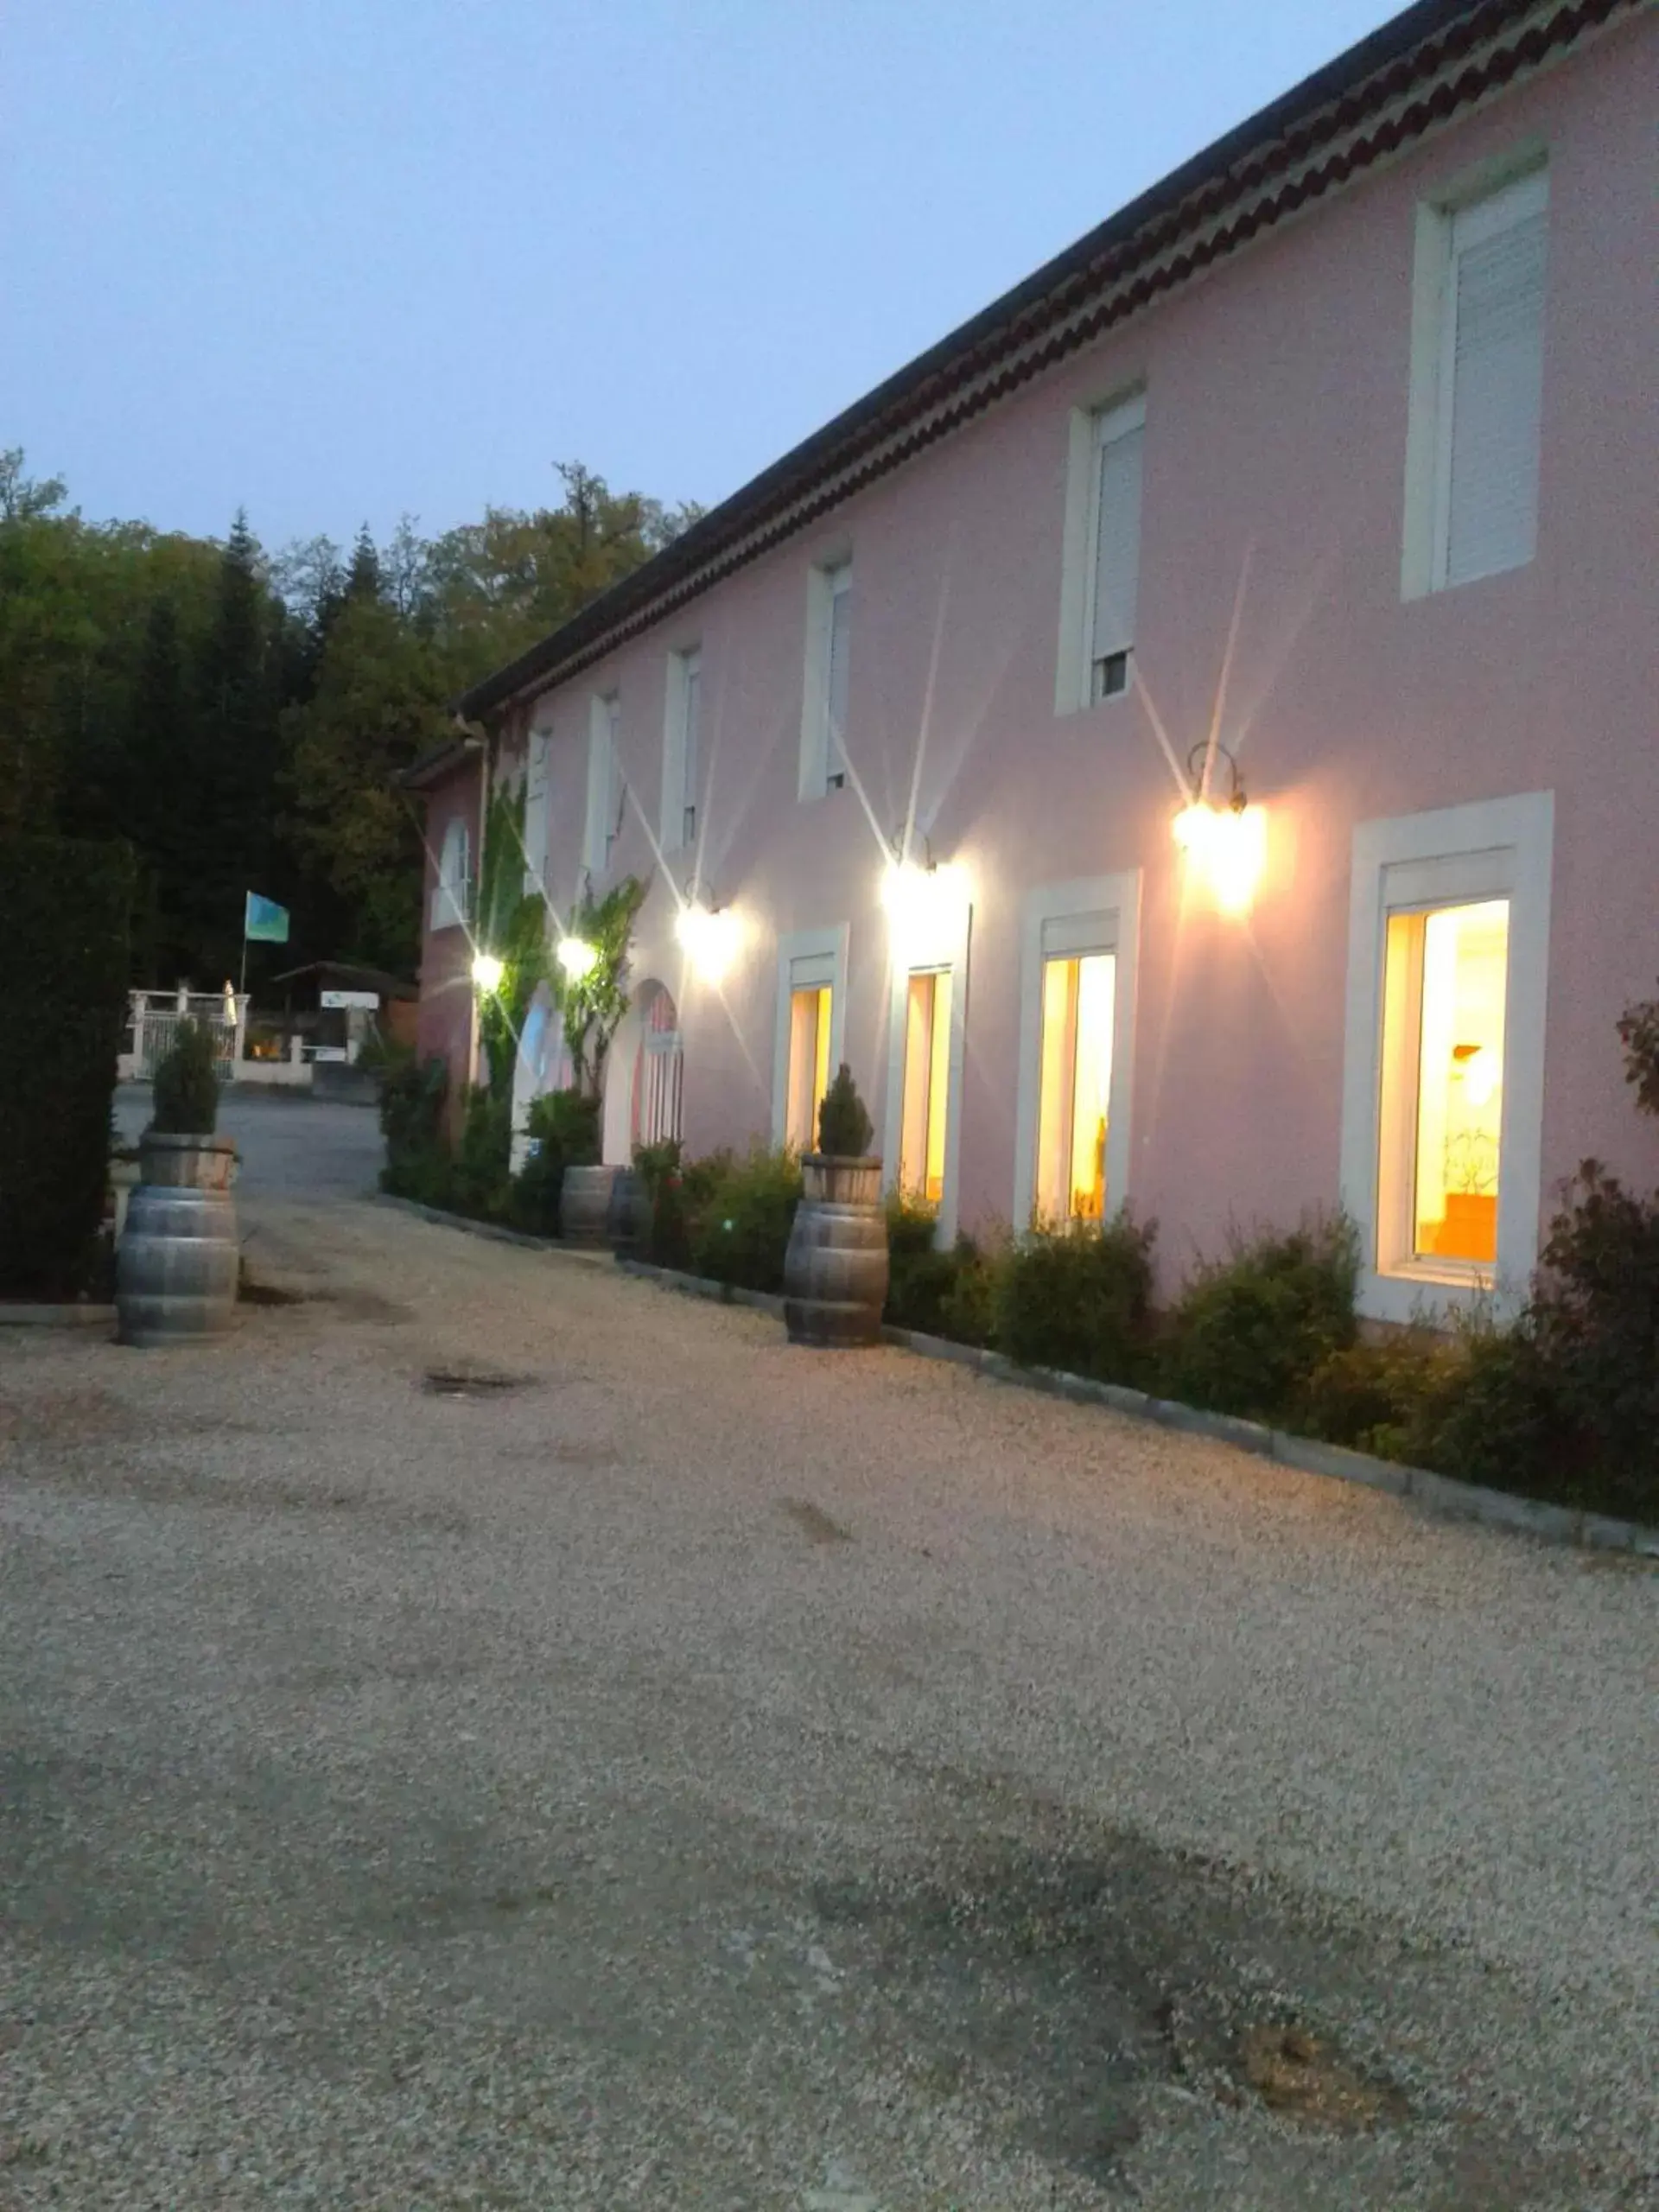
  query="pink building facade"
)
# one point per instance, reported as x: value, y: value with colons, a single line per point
x: 1323, y: 479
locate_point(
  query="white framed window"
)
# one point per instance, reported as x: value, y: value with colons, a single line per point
x: 537, y: 776
x: 1100, y: 584
x: 1473, y: 437
x: 810, y: 1015
x: 926, y: 1042
x: 452, y: 894
x: 606, y: 790
x: 925, y: 1084
x: 828, y: 679
x: 1077, y: 965
x: 682, y: 750
x: 1448, y: 954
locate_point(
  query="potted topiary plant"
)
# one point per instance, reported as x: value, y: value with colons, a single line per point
x: 177, y: 1262
x: 836, y: 1269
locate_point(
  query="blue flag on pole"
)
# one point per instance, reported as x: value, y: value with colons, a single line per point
x: 265, y: 921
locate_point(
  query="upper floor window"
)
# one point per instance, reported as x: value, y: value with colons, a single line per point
x: 1115, y: 546
x: 606, y: 790
x: 1101, y: 572
x: 682, y: 751
x: 452, y: 894
x: 1477, y: 396
x: 824, y: 716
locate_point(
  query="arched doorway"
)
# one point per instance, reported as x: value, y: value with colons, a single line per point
x: 655, y: 1112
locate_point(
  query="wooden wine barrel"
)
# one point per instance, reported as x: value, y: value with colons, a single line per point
x: 585, y: 1205
x: 835, y: 1268
x: 627, y: 1219
x: 176, y: 1264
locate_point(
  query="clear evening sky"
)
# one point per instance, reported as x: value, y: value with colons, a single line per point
x: 339, y: 259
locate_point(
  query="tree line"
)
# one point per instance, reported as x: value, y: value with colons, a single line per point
x: 241, y: 718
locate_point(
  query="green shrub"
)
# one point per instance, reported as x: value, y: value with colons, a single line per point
x: 481, y: 1181
x: 845, y: 1131
x: 1594, y: 1317
x: 186, y: 1083
x: 944, y: 1292
x: 1078, y: 1299
x: 562, y: 1129
x: 667, y: 1234
x: 1491, y: 1416
x: 1248, y: 1332
x: 739, y: 1231
x: 411, y: 1121
x: 1368, y: 1396
x: 64, y: 913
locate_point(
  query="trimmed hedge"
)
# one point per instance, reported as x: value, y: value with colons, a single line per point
x: 65, y: 908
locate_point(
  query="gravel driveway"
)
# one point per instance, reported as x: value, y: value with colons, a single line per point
x: 499, y: 1734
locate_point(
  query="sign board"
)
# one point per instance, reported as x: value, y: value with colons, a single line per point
x: 326, y: 1052
x: 369, y: 999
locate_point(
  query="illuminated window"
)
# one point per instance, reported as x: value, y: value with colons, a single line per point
x: 1074, y: 1087
x: 1444, y: 994
x: 810, y: 1006
x: 926, y: 1085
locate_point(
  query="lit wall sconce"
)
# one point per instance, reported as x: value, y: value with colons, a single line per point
x: 577, y: 957
x: 924, y: 901
x: 708, y: 937
x: 1225, y: 845
x: 488, y: 972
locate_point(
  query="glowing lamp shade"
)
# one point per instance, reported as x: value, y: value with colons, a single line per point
x: 488, y: 972
x: 1227, y: 849
x: 577, y: 957
x: 921, y: 904
x: 709, y: 938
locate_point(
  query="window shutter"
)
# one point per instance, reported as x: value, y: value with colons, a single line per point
x: 836, y: 690
x: 1117, y: 544
x: 1496, y: 361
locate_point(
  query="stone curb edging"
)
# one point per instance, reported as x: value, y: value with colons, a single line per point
x: 1438, y: 1494
x: 57, y: 1317
x: 497, y: 1235
x: 705, y: 1287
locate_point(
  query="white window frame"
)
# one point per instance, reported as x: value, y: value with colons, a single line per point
x: 605, y: 787
x: 1412, y: 863
x: 945, y: 952
x: 452, y: 894
x: 827, y: 947
x: 1106, y: 911
x: 1089, y: 429
x: 1504, y: 189
x: 538, y: 768
x: 822, y: 768
x: 682, y: 751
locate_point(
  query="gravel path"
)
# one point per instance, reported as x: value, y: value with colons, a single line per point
x: 652, y: 1766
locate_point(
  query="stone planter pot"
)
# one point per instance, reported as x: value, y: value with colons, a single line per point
x: 175, y: 1265
x: 836, y: 1269
x: 585, y: 1205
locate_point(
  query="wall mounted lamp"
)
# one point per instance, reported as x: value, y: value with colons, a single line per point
x: 488, y: 972
x: 1225, y: 845
x: 577, y: 957
x: 708, y: 937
